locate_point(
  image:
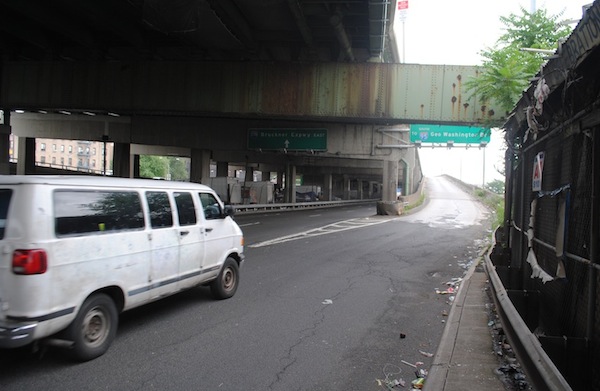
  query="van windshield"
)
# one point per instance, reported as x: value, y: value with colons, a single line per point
x: 5, y: 196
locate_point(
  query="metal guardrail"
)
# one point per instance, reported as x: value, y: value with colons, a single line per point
x: 278, y: 207
x: 539, y: 368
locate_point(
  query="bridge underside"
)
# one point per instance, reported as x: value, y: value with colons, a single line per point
x: 205, y: 110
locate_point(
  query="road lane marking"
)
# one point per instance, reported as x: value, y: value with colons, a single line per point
x: 249, y: 224
x: 327, y: 229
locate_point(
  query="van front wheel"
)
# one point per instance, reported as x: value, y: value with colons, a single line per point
x: 94, y: 328
x: 227, y: 282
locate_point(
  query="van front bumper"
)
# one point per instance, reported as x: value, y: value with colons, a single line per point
x: 16, y: 334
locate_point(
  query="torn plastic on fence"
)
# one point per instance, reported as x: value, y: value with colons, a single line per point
x: 536, y: 269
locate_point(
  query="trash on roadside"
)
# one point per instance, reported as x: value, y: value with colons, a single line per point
x: 390, y: 381
x: 402, y: 335
x: 426, y: 354
x: 454, y: 282
x: 418, y: 383
x: 407, y: 363
x: 450, y: 290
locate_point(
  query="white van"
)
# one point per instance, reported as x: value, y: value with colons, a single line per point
x: 75, y: 251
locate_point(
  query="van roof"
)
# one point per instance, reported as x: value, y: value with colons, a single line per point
x: 86, y: 180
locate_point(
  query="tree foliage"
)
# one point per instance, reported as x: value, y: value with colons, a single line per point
x: 506, y: 69
x: 178, y: 170
x: 495, y: 186
x: 164, y: 167
x: 153, y: 166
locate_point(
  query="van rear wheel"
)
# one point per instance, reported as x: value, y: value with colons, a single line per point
x: 94, y: 328
x: 227, y: 282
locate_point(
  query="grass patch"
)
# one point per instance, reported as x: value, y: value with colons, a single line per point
x: 494, y: 202
x: 416, y: 204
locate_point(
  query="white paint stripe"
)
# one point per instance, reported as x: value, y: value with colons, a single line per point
x: 327, y: 229
x: 249, y: 224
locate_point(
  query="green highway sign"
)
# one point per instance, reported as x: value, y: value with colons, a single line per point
x: 287, y: 139
x: 445, y: 133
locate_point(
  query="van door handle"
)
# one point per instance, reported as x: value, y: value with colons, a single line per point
x: 183, y: 233
x: 208, y: 229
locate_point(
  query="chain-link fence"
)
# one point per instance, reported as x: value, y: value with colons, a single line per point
x: 552, y: 279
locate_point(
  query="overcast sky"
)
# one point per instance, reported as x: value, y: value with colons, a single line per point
x: 453, y: 32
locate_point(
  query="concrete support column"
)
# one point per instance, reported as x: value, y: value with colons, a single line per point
x: 390, y: 180
x: 5, y: 144
x: 26, y: 162
x: 200, y: 166
x: 222, y: 169
x: 360, y: 189
x: 346, y: 186
x: 290, y: 184
x: 327, y: 187
x: 136, y: 166
x: 122, y: 161
x: 249, y: 175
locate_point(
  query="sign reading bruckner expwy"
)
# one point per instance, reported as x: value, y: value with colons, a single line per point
x: 446, y: 133
x: 287, y: 139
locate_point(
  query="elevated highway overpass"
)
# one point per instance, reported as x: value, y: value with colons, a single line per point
x: 192, y: 78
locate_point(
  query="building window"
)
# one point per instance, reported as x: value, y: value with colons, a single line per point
x: 94, y: 151
x: 54, y: 147
x: 43, y: 159
x: 53, y: 160
x: 79, y: 150
x: 62, y: 161
x: 93, y: 162
x: 42, y: 146
x: 70, y: 149
x: 62, y: 148
x: 70, y: 161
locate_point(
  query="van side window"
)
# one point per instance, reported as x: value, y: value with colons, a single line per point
x: 185, y: 208
x: 210, y: 205
x: 161, y: 215
x: 5, y: 195
x: 86, y: 212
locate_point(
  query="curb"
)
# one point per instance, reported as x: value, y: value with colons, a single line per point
x: 438, y: 373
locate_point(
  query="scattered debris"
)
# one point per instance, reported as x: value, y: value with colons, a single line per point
x: 450, y: 290
x: 390, y: 381
x: 426, y: 354
x: 418, y: 383
x: 407, y: 363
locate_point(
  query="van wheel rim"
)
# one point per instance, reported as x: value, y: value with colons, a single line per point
x: 228, y: 279
x: 95, y: 327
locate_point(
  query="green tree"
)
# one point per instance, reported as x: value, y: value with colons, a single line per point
x: 153, y: 166
x: 178, y: 169
x: 495, y: 186
x: 506, y: 68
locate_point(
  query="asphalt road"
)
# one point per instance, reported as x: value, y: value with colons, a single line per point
x: 325, y: 296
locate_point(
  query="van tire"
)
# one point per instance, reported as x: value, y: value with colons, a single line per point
x: 94, y: 328
x: 227, y: 282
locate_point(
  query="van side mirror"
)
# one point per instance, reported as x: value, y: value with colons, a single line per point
x: 229, y: 210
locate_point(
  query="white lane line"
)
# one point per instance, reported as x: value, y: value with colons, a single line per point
x: 249, y: 224
x: 327, y: 229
